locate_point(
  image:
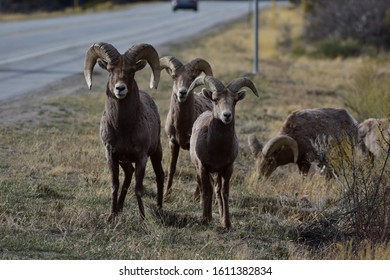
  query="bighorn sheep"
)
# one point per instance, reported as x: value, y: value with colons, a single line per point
x: 130, y: 124
x: 185, y: 107
x: 375, y: 134
x: 214, y: 144
x: 294, y: 143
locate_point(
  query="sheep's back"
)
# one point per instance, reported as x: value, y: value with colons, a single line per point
x: 202, y: 104
x: 305, y: 126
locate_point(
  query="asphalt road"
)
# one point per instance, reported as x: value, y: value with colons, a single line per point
x: 36, y: 53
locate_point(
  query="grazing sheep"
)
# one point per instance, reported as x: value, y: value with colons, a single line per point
x: 214, y: 144
x: 375, y: 134
x: 185, y: 107
x: 294, y: 143
x: 130, y: 124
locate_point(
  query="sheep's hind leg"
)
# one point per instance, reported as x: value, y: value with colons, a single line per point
x: 174, y: 149
x: 128, y: 169
x: 156, y: 159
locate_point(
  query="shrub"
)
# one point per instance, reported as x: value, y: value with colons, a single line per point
x: 334, y: 47
x: 366, y: 21
x: 365, y: 188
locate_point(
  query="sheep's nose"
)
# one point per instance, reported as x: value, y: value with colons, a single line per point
x: 120, y: 88
x: 182, y: 94
x: 227, y: 115
x: 182, y: 91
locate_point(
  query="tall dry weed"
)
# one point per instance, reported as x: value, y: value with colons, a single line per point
x: 365, y: 188
x: 368, y: 96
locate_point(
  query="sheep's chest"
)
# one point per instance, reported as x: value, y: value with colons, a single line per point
x: 220, y: 150
x: 129, y: 146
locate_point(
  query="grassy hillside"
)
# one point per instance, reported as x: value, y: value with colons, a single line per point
x: 54, y: 182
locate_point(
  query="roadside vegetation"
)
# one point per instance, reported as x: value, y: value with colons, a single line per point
x: 54, y: 182
x: 11, y: 10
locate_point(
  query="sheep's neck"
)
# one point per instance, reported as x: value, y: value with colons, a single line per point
x: 123, y: 112
x: 183, y: 117
x: 221, y: 137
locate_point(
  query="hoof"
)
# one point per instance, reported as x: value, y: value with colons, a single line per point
x: 167, y: 196
x: 206, y: 220
x: 226, y: 224
x: 112, y: 218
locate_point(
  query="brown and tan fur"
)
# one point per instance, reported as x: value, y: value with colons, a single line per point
x: 305, y: 126
x: 185, y: 107
x: 130, y: 124
x: 375, y: 134
x: 214, y: 148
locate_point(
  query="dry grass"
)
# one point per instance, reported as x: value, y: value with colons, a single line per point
x: 54, y: 183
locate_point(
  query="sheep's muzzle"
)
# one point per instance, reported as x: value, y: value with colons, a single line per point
x: 120, y: 90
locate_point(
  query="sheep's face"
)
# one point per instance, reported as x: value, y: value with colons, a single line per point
x: 181, y: 82
x: 224, y: 103
x: 121, y: 76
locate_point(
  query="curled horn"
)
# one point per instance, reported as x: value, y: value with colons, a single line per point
x: 170, y: 62
x: 103, y: 51
x: 238, y: 83
x: 200, y: 65
x: 279, y: 141
x: 149, y: 53
x: 210, y: 82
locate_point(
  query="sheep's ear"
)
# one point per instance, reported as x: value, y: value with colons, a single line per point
x: 102, y: 64
x: 140, y: 64
x: 169, y: 71
x: 240, y: 95
x: 255, y: 146
x: 207, y: 93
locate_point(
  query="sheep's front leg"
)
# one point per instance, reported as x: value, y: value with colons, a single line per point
x: 140, y: 167
x: 218, y: 194
x: 156, y: 159
x: 206, y: 190
x: 225, y: 217
x: 113, y: 164
x: 304, y: 167
x: 174, y: 149
x: 128, y: 169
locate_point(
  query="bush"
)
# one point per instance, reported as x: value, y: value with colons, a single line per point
x: 338, y: 48
x: 365, y: 21
x: 365, y: 188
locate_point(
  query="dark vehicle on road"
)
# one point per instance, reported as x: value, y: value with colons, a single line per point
x: 184, y: 4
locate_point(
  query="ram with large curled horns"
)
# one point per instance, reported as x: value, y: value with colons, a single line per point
x: 214, y: 144
x: 295, y: 142
x: 185, y: 107
x: 130, y: 124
